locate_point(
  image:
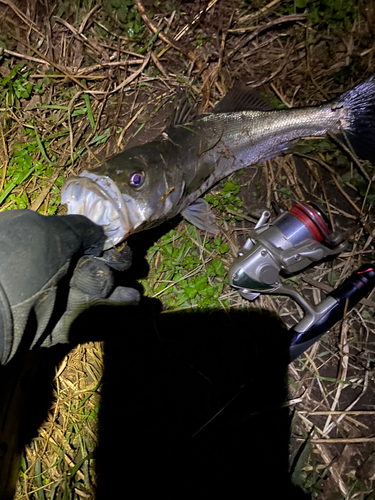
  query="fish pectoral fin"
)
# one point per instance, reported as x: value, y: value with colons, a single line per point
x: 200, y: 215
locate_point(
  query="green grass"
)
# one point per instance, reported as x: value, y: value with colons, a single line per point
x: 187, y: 271
x: 32, y: 156
x: 227, y: 199
x: 16, y: 86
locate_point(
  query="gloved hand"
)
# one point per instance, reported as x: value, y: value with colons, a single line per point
x: 51, y: 269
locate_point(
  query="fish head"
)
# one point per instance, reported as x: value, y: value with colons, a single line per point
x: 124, y: 195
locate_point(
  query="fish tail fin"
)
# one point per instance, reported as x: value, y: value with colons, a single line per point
x: 361, y: 127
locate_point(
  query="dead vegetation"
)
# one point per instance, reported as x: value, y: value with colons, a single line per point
x: 105, y: 83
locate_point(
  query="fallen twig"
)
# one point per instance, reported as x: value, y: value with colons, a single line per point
x: 259, y: 12
x: 188, y: 53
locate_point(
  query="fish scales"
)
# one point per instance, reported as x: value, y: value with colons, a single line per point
x: 245, y: 138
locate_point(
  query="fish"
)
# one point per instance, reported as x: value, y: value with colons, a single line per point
x: 143, y: 186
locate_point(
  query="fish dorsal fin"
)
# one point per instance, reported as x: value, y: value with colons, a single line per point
x: 183, y: 111
x: 242, y: 99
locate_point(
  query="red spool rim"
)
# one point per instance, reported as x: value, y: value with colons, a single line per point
x: 312, y: 220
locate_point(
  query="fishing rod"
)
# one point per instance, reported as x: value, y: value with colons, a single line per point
x: 296, y: 239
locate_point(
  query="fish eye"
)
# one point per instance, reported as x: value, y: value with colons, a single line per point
x: 137, y: 180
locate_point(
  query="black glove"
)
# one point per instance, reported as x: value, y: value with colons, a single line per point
x: 50, y: 271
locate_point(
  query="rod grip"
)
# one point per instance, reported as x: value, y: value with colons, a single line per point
x: 346, y: 296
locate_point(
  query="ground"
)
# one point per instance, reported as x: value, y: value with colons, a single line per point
x: 82, y: 80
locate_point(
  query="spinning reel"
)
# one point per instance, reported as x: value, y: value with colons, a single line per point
x: 293, y: 241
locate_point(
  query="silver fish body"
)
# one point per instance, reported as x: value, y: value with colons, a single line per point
x: 145, y: 185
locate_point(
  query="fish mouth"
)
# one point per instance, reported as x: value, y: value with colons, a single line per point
x: 99, y: 199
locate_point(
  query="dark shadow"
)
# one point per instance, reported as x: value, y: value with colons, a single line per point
x: 166, y: 376
x: 140, y: 243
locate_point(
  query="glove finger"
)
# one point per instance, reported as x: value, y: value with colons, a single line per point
x: 125, y: 295
x: 118, y: 259
x: 92, y: 277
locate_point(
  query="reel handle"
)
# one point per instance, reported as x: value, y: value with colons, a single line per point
x: 346, y: 296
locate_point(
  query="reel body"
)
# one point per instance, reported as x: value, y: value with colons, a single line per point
x: 293, y: 241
